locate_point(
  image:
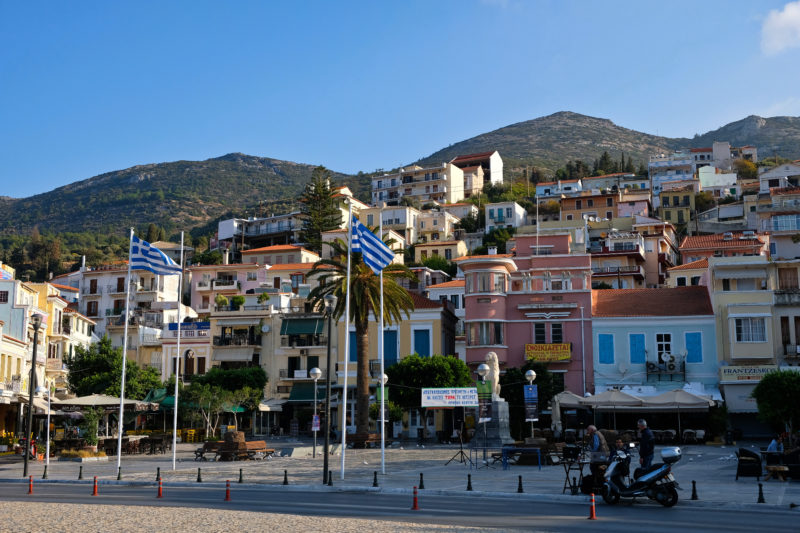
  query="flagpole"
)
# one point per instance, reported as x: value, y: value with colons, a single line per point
x: 124, y: 352
x: 177, y: 364
x: 380, y: 351
x: 346, y: 331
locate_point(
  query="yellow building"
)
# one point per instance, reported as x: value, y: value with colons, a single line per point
x: 449, y: 250
x: 677, y: 205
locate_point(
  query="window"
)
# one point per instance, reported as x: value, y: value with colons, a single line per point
x: 482, y: 282
x: 609, y: 214
x: 370, y: 220
x: 609, y: 202
x: 787, y: 278
x: 636, y: 341
x: 663, y: 346
x: 589, y: 203
x: 694, y: 347
x: 454, y: 300
x: 666, y: 201
x: 578, y: 204
x: 297, y: 279
x: 605, y: 350
x: 3, y: 297
x: 499, y: 283
x: 538, y: 333
x: 491, y: 214
x: 750, y: 330
x: 667, y: 215
x: 695, y: 280
x: 448, y: 254
x: 424, y: 254
x: 569, y: 217
x: 252, y: 276
x: 681, y: 281
x: 91, y: 308
x: 508, y: 212
x: 773, y: 249
x: 726, y: 284
x: 485, y: 333
x: 557, y: 333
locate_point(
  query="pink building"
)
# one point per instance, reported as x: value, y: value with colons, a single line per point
x: 534, y: 305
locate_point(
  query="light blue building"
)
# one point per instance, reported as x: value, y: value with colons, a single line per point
x: 654, y: 340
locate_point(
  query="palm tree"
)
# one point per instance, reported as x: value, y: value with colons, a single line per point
x: 365, y: 297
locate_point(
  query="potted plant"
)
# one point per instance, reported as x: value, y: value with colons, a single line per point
x: 237, y: 302
x: 91, y: 419
x: 221, y: 300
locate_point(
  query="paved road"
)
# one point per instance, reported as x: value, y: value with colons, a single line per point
x: 472, y: 511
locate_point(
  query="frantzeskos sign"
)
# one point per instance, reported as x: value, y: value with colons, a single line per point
x: 453, y: 397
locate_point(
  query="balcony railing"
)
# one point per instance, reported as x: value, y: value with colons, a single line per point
x: 203, y: 285
x: 302, y: 373
x: 617, y: 270
x: 92, y: 291
x: 115, y: 289
x: 787, y: 297
x: 284, y: 389
x: 238, y: 340
x: 224, y: 283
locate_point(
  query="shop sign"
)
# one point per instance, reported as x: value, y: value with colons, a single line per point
x: 548, y: 352
x: 450, y: 397
x: 751, y: 373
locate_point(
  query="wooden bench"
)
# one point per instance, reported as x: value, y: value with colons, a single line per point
x: 776, y: 471
x: 257, y: 449
x: 254, y: 449
x: 363, y: 440
x: 207, y: 447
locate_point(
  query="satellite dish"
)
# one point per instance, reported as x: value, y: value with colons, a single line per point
x: 265, y: 328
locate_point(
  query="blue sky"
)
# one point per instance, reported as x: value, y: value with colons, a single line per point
x: 91, y: 87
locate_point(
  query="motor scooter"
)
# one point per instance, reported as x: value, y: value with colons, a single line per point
x: 655, y: 482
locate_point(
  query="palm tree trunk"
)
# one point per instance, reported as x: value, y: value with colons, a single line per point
x: 362, y: 378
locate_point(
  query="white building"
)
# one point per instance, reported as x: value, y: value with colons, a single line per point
x: 505, y: 215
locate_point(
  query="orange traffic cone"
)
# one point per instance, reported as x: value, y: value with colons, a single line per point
x: 160, y: 493
x: 415, y: 506
x: 228, y: 491
x: 94, y: 491
x: 30, y: 485
x: 592, y: 514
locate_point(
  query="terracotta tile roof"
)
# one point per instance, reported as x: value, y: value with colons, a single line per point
x: 275, y: 248
x: 470, y: 169
x: 448, y: 284
x: 64, y: 287
x: 230, y: 266
x: 709, y: 242
x: 680, y: 301
x: 292, y: 266
x: 457, y: 203
x: 694, y: 150
x: 694, y: 265
x: 420, y: 302
x: 468, y: 157
x: 785, y: 190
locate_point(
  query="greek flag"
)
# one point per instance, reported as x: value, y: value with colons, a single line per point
x: 144, y: 256
x: 374, y: 252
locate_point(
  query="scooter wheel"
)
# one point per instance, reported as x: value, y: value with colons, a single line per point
x: 612, y: 497
x: 670, y: 497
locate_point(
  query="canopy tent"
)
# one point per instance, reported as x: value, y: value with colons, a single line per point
x: 612, y: 400
x: 274, y: 405
x: 562, y: 399
x: 99, y: 400
x: 680, y: 400
x: 568, y: 400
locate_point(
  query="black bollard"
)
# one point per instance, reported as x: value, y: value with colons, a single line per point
x: 241, y: 479
x: 761, y: 494
x: 375, y: 479
x: 199, y: 476
x: 330, y: 478
x: 519, y: 486
x: 469, y: 481
x: 44, y: 476
x: 694, y: 490
x: 80, y: 472
x: 285, y: 477
x: 158, y: 473
x: 574, y: 487
x: 421, y: 482
x: 119, y: 473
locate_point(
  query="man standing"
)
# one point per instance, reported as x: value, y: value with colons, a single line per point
x: 647, y: 445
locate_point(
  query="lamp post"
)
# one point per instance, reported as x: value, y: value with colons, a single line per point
x: 330, y: 305
x: 384, y: 380
x: 483, y: 369
x: 530, y: 375
x: 36, y: 321
x: 315, y: 374
x: 46, y: 390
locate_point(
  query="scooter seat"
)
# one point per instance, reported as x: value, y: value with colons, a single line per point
x: 639, y: 472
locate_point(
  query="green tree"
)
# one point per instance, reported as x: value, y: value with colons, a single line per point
x: 210, y: 257
x: 703, y: 201
x: 511, y: 389
x: 414, y: 373
x: 319, y: 210
x: 152, y: 233
x: 98, y: 370
x: 437, y: 262
x: 210, y: 400
x: 234, y: 379
x: 778, y: 398
x: 470, y: 223
x: 745, y: 170
x: 365, y: 293
x: 246, y: 398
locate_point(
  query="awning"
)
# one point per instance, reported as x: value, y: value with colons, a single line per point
x: 274, y: 405
x: 304, y: 392
x: 243, y: 321
x: 238, y: 353
x: 302, y: 326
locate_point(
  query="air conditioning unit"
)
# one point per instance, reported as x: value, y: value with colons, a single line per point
x: 727, y: 236
x: 303, y: 352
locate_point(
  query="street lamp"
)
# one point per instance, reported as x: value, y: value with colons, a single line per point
x: 384, y: 379
x: 36, y: 321
x: 530, y: 375
x: 483, y: 370
x: 330, y: 305
x: 315, y: 374
x: 46, y: 390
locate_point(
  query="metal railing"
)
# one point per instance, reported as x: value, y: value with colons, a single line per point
x: 237, y: 340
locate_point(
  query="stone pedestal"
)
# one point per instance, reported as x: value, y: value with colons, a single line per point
x: 497, y: 429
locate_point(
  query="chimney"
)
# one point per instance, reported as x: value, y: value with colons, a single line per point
x: 492, y: 250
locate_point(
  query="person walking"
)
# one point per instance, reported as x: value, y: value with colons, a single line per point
x: 647, y: 444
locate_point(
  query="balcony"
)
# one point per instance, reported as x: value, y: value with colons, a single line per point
x: 283, y: 389
x: 203, y: 286
x: 92, y: 291
x: 224, y: 284
x: 237, y: 340
x: 298, y: 374
x: 117, y: 311
x: 151, y: 340
x: 787, y: 297
x: 116, y: 289
x: 636, y: 271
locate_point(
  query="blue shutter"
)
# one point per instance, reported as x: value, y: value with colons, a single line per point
x: 389, y: 348
x: 694, y: 347
x: 353, y: 352
x: 422, y: 342
x: 637, y: 348
x: 606, y: 348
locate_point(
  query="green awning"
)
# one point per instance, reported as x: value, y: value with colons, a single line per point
x: 302, y: 326
x: 304, y: 392
x: 156, y: 396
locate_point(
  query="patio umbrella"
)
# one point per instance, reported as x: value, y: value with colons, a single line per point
x: 612, y: 400
x: 98, y: 400
x: 680, y: 400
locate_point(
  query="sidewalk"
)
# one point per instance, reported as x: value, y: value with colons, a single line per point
x: 712, y: 467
